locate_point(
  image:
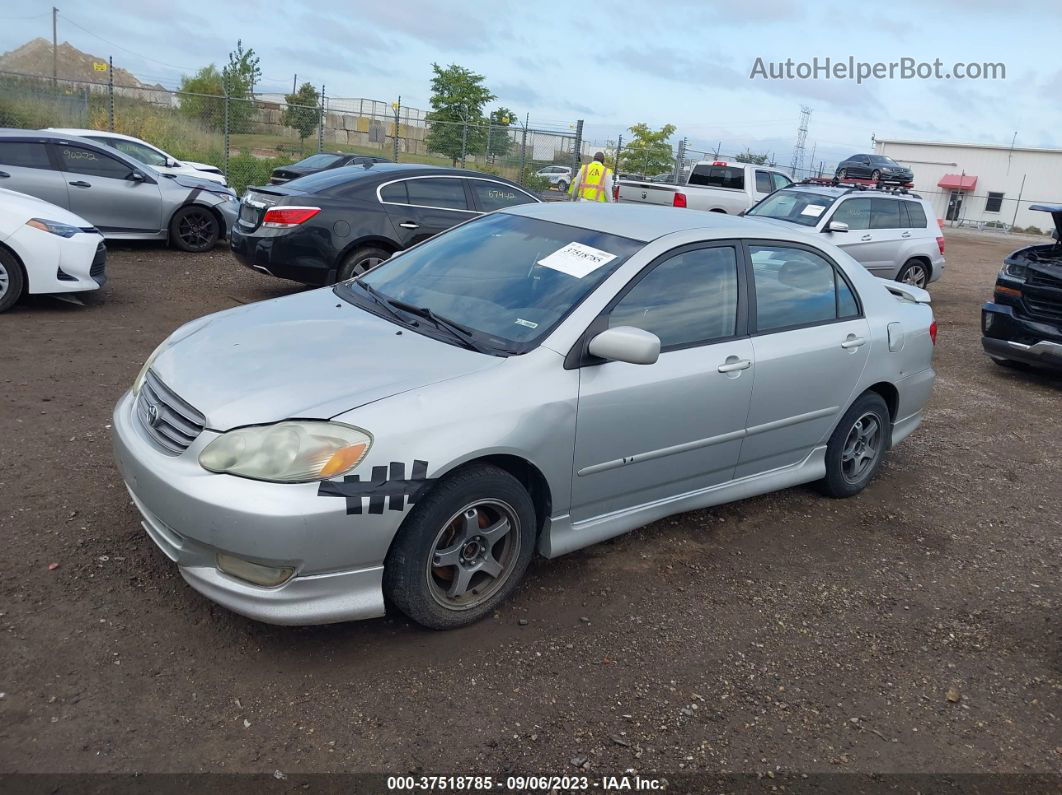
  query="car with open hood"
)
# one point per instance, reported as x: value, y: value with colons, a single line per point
x: 544, y: 377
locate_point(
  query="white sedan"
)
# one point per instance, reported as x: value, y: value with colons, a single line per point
x: 149, y: 155
x: 46, y: 249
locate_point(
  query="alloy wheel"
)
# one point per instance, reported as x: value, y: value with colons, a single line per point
x: 365, y: 265
x: 916, y: 275
x: 196, y: 229
x: 473, y: 555
x: 5, y: 280
x: 862, y: 447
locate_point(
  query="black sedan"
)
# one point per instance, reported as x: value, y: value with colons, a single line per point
x: 337, y: 224
x: 876, y: 167
x: 321, y: 161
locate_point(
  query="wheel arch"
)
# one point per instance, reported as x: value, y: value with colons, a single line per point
x: 21, y: 266
x: 223, y: 233
x: 923, y: 259
x: 890, y: 394
x: 366, y: 240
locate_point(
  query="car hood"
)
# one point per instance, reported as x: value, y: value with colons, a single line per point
x: 201, y: 166
x: 309, y: 356
x: 1056, y: 216
x: 203, y: 183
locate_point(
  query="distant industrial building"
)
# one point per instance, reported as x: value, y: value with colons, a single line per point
x: 982, y: 184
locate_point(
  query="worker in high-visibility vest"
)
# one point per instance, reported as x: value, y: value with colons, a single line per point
x: 594, y: 182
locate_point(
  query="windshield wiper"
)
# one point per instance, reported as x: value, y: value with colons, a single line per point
x: 383, y: 301
x: 457, y: 331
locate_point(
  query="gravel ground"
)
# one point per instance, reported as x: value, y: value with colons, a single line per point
x: 914, y: 628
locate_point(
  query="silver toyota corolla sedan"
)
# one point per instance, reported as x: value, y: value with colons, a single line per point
x: 541, y: 378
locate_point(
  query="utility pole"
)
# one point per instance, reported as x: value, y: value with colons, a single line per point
x: 797, y: 163
x: 294, y: 82
x: 398, y: 113
x: 55, y: 47
x: 578, y: 159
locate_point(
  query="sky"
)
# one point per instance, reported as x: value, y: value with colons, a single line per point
x: 613, y: 64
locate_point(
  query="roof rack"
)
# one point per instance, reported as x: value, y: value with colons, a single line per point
x: 854, y: 185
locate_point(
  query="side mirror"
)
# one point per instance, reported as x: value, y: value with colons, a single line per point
x: 1054, y: 234
x: 742, y: 212
x: 836, y: 226
x: 136, y: 176
x: 626, y: 344
x: 171, y: 163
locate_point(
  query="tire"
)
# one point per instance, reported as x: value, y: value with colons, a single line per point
x: 194, y: 228
x: 848, y: 470
x: 360, y: 261
x: 842, y: 174
x: 915, y: 272
x: 12, y: 280
x: 875, y: 175
x: 562, y: 186
x: 451, y: 523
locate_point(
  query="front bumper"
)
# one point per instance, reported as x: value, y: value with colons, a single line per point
x: 1006, y: 335
x: 192, y: 515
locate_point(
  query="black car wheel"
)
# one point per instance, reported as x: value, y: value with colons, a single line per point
x: 463, y: 548
x: 194, y: 229
x: 361, y: 261
x: 842, y: 174
x: 875, y: 175
x: 856, y: 447
x: 562, y: 186
x: 11, y: 280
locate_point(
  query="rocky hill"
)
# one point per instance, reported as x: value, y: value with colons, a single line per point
x: 35, y: 58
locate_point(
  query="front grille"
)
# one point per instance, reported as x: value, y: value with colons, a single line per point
x: 169, y: 421
x: 1046, y: 310
x: 99, y: 262
x: 1041, y: 279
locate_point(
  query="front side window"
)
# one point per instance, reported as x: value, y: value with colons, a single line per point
x: 447, y: 193
x: 854, y: 212
x: 885, y: 214
x: 495, y: 195
x: 796, y: 287
x: 506, y: 278
x: 27, y: 154
x: 797, y: 206
x: 317, y: 161
x: 79, y: 160
x: 687, y: 299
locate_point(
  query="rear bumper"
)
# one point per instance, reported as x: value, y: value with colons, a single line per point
x: 279, y: 256
x: 1006, y: 335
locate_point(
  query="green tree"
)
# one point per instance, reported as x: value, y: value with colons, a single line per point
x: 649, y: 152
x: 240, y: 76
x: 500, y: 143
x: 457, y: 99
x: 748, y: 157
x: 301, y: 112
x: 202, y: 97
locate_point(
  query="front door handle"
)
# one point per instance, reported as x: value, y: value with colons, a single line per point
x: 4, y: 175
x: 865, y: 238
x: 906, y: 234
x: 81, y: 184
x: 733, y: 364
x: 409, y: 225
x: 852, y: 341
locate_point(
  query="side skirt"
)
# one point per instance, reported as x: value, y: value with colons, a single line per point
x: 562, y: 536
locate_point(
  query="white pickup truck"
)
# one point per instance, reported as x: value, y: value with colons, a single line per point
x: 712, y: 185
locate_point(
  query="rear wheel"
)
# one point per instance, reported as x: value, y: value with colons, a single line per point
x: 361, y: 261
x: 915, y: 272
x: 856, y: 447
x: 11, y: 280
x: 194, y: 228
x: 463, y: 548
x: 562, y: 186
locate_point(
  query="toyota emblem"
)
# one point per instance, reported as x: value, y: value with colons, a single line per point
x: 153, y: 415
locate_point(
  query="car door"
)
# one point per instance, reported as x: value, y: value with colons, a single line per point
x: 810, y: 344
x: 867, y: 246
x: 420, y: 207
x: 889, y: 228
x: 102, y: 189
x: 649, y: 432
x: 26, y: 167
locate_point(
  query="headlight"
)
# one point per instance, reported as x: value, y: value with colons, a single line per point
x: 1016, y: 270
x: 55, y: 227
x: 139, y: 382
x: 293, y: 451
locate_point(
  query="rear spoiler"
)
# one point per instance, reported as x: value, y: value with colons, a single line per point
x: 907, y: 292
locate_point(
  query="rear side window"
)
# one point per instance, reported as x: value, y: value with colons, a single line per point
x: 916, y: 214
x: 78, y: 160
x: 763, y: 182
x: 495, y: 195
x: 446, y: 193
x: 885, y: 214
x: 395, y: 192
x: 795, y: 287
x: 718, y: 177
x: 26, y: 154
x: 687, y: 299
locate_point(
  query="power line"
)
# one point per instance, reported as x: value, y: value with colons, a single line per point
x: 126, y: 49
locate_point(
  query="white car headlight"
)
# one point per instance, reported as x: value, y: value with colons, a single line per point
x: 293, y: 451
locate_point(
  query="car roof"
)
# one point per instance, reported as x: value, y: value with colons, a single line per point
x: 85, y: 132
x: 836, y: 192
x: 644, y: 222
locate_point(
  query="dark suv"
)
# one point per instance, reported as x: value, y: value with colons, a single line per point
x: 1022, y: 324
x: 876, y: 167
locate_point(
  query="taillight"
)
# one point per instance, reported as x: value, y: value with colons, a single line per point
x: 940, y: 244
x: 285, y: 217
x: 933, y: 332
x: 679, y: 201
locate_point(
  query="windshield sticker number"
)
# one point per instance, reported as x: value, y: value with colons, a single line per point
x: 813, y: 210
x: 577, y: 260
x: 521, y: 322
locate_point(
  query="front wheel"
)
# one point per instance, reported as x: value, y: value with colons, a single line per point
x: 856, y: 447
x: 842, y: 173
x: 562, y: 186
x: 875, y: 175
x: 463, y: 548
x: 11, y: 281
x: 194, y: 229
x: 914, y: 272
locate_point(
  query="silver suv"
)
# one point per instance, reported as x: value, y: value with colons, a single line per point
x: 893, y: 234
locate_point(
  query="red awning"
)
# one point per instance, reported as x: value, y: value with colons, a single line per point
x: 957, y: 182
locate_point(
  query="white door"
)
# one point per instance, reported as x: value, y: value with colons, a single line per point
x: 872, y: 248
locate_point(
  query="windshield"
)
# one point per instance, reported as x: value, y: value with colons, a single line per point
x: 507, y: 279
x: 798, y: 207
x: 317, y: 161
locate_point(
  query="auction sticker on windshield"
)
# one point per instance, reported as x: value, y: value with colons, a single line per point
x: 814, y: 210
x: 577, y: 260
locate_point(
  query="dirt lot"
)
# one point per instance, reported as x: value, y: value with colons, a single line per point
x: 914, y: 628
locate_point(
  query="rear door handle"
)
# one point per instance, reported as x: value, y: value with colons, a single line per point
x: 852, y: 341
x: 4, y: 174
x: 731, y: 366
x: 906, y: 234
x: 864, y: 238
x: 81, y: 184
x: 409, y: 225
